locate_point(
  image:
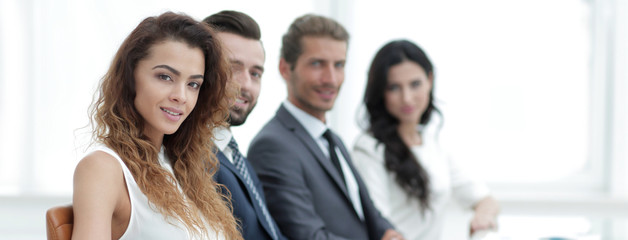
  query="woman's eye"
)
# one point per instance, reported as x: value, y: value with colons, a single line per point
x: 194, y: 85
x: 416, y: 83
x: 165, y: 77
x: 392, y: 87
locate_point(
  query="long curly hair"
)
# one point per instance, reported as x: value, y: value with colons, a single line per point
x: 117, y: 123
x: 409, y: 173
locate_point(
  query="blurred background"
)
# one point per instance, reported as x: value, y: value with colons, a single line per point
x: 533, y: 94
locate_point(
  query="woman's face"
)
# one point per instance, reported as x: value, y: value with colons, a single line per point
x: 407, y: 92
x: 167, y: 83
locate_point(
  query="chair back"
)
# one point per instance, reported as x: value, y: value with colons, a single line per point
x: 59, y: 222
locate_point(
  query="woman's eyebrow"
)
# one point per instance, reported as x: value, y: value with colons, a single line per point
x: 176, y: 72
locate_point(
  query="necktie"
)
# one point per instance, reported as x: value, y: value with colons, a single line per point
x: 332, y: 153
x: 350, y: 182
x: 238, y: 161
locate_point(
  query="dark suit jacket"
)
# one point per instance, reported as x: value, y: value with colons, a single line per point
x: 305, y: 193
x: 254, y: 225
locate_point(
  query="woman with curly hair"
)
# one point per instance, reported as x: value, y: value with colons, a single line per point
x: 409, y: 176
x: 149, y: 175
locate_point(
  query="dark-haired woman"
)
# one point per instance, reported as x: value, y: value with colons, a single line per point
x: 149, y: 175
x: 410, y: 178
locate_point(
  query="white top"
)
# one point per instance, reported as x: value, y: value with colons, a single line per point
x: 446, y: 181
x: 316, y: 129
x: 146, y: 222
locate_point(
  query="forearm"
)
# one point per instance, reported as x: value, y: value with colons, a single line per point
x: 488, y: 206
x: 485, y: 216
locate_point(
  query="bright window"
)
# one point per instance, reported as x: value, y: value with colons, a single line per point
x: 513, y: 79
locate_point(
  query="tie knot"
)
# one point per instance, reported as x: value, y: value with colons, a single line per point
x: 233, y: 144
x: 328, y: 135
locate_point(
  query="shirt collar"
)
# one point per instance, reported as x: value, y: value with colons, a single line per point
x: 312, y: 125
x: 222, y: 136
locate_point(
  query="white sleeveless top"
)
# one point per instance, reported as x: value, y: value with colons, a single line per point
x: 146, y: 222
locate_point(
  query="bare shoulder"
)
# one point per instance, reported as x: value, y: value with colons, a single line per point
x: 99, y: 189
x: 96, y: 174
x: 98, y: 164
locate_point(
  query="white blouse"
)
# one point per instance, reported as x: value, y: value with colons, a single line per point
x: 446, y: 181
x: 146, y: 222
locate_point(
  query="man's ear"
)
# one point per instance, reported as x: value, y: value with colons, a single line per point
x: 284, y: 69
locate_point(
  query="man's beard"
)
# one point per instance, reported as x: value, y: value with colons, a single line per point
x: 240, y: 117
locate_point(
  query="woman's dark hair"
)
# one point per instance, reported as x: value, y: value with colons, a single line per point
x: 409, y: 173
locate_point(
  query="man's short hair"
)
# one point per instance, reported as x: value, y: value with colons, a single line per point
x: 309, y: 25
x: 235, y: 22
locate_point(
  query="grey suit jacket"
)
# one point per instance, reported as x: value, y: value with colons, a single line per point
x: 304, y: 192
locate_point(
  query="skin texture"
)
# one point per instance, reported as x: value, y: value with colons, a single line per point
x: 407, y: 96
x: 170, y: 78
x: 247, y: 59
x: 317, y: 75
x: 485, y: 215
x: 102, y: 211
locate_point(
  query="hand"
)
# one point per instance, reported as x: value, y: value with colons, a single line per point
x: 482, y: 222
x: 391, y: 234
x: 485, y: 215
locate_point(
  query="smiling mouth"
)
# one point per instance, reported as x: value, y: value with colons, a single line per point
x: 171, y: 113
x: 326, y: 94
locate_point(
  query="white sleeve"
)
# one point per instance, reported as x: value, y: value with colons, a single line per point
x: 466, y: 189
x: 369, y: 162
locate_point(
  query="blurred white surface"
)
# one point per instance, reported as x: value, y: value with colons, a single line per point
x: 24, y: 218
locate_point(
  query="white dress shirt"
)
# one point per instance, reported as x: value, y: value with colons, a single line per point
x: 222, y: 136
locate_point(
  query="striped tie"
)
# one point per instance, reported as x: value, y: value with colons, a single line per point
x: 238, y: 161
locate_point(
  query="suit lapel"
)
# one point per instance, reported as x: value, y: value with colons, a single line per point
x: 224, y: 162
x: 293, y: 125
